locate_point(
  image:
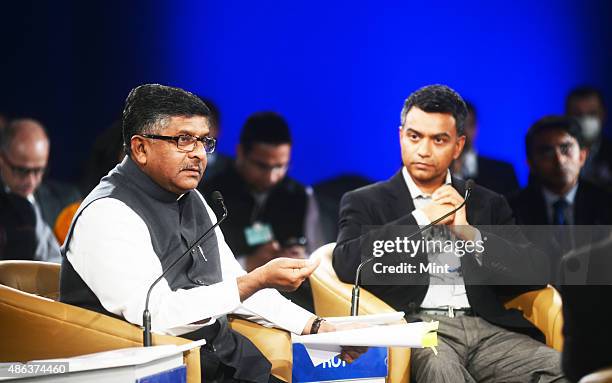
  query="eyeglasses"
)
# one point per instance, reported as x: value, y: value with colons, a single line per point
x: 23, y: 172
x: 187, y: 142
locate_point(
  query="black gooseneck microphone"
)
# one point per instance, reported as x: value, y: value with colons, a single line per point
x: 469, y: 185
x: 146, y: 315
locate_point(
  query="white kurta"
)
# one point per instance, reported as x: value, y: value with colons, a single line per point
x: 111, y: 251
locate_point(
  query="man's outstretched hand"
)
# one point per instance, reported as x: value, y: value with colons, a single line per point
x: 285, y: 274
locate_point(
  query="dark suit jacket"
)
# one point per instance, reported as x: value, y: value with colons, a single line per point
x: 496, y: 175
x: 284, y: 210
x: 53, y: 197
x: 17, y: 227
x: 592, y: 205
x: 389, y: 203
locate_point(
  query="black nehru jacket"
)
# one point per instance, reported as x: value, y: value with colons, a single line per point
x: 174, y: 225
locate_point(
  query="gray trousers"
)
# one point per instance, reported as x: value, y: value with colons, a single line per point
x: 470, y: 349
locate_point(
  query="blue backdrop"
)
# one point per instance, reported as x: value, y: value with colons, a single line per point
x: 338, y: 71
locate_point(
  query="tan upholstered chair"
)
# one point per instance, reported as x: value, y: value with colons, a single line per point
x: 333, y: 298
x: 35, y: 326
x: 543, y: 309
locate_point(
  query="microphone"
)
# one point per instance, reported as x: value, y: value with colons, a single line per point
x: 469, y: 185
x: 146, y: 315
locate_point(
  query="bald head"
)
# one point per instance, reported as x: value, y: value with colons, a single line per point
x: 24, y: 150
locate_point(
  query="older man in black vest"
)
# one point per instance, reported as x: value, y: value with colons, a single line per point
x: 145, y: 214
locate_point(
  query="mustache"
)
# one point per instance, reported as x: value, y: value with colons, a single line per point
x: 195, y: 166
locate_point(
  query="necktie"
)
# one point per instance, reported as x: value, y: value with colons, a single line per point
x: 559, y: 208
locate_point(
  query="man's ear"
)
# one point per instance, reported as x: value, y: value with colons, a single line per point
x: 139, y: 148
x: 459, y: 147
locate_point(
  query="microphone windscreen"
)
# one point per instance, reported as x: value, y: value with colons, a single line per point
x: 217, y: 197
x: 469, y: 184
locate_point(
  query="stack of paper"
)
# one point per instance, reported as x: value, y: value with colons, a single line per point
x: 384, y: 331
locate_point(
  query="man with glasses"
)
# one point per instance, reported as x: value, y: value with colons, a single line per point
x: 145, y: 214
x: 271, y: 210
x: 24, y: 152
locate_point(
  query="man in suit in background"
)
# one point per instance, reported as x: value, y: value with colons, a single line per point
x: 556, y: 194
x: 479, y: 339
x: 493, y: 174
x: 24, y: 152
x: 587, y: 104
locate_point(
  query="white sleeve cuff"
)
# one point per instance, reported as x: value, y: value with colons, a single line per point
x: 269, y: 308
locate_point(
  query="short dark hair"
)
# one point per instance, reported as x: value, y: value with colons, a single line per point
x: 148, y: 108
x: 264, y: 128
x: 566, y: 124
x: 582, y: 92
x: 438, y: 99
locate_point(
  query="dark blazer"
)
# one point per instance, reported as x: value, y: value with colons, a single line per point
x: 17, y: 227
x: 53, y: 197
x: 496, y: 175
x: 284, y: 210
x: 389, y: 203
x: 592, y: 205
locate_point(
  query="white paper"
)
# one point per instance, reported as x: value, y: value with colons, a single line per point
x: 373, y: 319
x: 323, y: 347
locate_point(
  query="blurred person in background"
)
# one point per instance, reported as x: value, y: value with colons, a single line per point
x: 24, y: 154
x: 106, y: 153
x: 493, y: 174
x: 587, y: 104
x: 272, y: 214
x: 556, y: 193
x: 217, y: 162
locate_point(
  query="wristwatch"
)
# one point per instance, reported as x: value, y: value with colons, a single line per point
x: 314, y: 329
